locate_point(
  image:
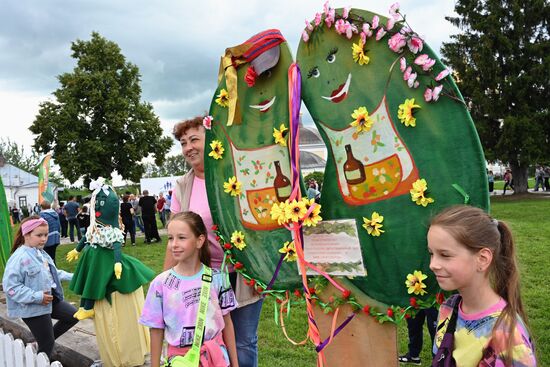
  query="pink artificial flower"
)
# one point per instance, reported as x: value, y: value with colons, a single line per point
x: 375, y: 21
x: 340, y: 26
x: 207, y: 122
x: 390, y: 23
x: 411, y: 80
x: 428, y: 94
x: 436, y: 92
x: 363, y: 37
x: 421, y: 59
x: 442, y: 75
x: 403, y: 64
x: 367, y: 30
x: 329, y: 17
x: 415, y: 44
x: 317, y: 19
x: 305, y: 36
x: 416, y: 84
x: 407, y: 73
x: 397, y: 42
x: 350, y: 29
x: 381, y: 33
x: 345, y: 12
x: 394, y: 11
x: 309, y: 27
x: 428, y: 65
x: 326, y: 7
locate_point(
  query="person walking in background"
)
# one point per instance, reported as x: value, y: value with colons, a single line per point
x: 15, y: 214
x: 415, y: 327
x: 71, y: 211
x: 83, y: 219
x: 160, y: 209
x: 167, y: 205
x: 491, y: 181
x: 54, y: 226
x: 148, y: 211
x: 127, y: 216
x: 138, y: 219
x: 546, y: 177
x: 539, y: 179
x: 62, y: 219
x: 508, y: 181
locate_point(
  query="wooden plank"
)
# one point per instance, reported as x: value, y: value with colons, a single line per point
x: 19, y: 353
x: 362, y: 343
x: 30, y: 356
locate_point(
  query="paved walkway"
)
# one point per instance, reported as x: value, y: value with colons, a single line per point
x: 545, y: 194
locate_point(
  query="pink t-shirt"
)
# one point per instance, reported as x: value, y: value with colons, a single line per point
x: 172, y: 304
x: 199, y: 204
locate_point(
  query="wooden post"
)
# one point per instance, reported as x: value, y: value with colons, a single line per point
x: 364, y: 342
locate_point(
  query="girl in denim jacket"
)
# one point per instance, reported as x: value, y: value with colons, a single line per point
x: 33, y: 288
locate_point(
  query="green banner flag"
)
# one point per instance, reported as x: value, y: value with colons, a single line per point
x: 45, y: 191
x: 5, y: 227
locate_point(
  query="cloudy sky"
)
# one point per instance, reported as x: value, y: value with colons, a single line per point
x: 176, y: 44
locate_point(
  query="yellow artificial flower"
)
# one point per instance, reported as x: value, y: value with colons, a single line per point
x: 414, y: 283
x: 374, y: 224
x: 223, y: 98
x: 362, y: 121
x: 280, y: 135
x: 217, y: 149
x: 295, y: 210
x: 405, y: 112
x: 237, y: 239
x: 289, y: 248
x: 312, y: 218
x: 358, y: 52
x: 232, y: 186
x: 278, y: 212
x: 418, y: 193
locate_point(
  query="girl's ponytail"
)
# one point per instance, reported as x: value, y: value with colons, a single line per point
x: 506, y: 284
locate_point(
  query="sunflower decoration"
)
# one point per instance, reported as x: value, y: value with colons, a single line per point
x: 223, y: 98
x: 374, y: 224
x: 313, y: 217
x: 419, y: 191
x: 414, y: 283
x: 217, y: 149
x: 232, y: 186
x: 406, y: 111
x: 278, y: 212
x: 280, y: 135
x: 289, y: 249
x: 362, y: 121
x: 295, y: 211
x: 358, y: 53
x: 237, y: 239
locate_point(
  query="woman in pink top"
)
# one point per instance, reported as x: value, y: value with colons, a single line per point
x: 190, y: 194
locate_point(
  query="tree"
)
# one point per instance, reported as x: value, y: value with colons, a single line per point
x: 173, y: 166
x: 501, y: 62
x: 98, y: 124
x: 15, y: 155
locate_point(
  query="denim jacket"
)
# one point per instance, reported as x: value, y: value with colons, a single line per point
x: 26, y: 279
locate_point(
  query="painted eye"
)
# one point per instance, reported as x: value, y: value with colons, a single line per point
x: 314, y: 72
x: 102, y: 202
x: 268, y: 73
x: 331, y: 58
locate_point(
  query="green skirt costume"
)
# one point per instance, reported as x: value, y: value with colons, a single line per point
x: 94, y: 276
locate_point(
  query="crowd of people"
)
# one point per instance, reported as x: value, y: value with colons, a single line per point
x: 470, y: 253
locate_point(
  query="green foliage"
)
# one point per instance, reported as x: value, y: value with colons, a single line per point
x: 174, y: 165
x: 98, y: 124
x: 501, y: 63
x: 317, y: 176
x: 15, y: 155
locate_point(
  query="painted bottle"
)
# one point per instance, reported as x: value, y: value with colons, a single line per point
x: 354, y: 170
x: 281, y: 184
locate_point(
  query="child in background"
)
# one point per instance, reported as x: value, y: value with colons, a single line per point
x: 475, y: 255
x: 33, y: 288
x: 83, y: 218
x: 173, y: 299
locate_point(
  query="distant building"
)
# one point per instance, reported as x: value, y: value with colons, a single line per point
x: 21, y: 186
x: 313, y: 152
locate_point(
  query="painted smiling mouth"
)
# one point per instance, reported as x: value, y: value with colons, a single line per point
x: 265, y: 105
x: 340, y: 93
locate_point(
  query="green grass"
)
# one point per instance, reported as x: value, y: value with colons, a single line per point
x: 529, y: 219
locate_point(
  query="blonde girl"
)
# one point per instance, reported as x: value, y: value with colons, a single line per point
x: 173, y: 299
x: 475, y: 255
x: 33, y: 287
